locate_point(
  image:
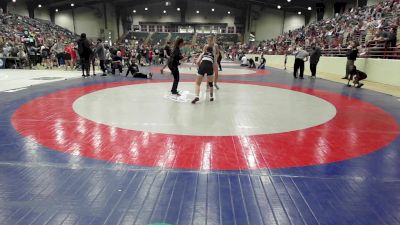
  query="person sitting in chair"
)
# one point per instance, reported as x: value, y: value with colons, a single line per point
x: 117, y: 63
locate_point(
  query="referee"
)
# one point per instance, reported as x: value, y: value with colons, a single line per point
x: 301, y: 56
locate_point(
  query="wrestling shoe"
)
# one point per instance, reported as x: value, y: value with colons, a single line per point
x: 195, y: 100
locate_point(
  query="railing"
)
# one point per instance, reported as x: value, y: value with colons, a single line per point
x: 376, y: 49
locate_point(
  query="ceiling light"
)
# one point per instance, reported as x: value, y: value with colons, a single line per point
x: 309, y: 8
x: 178, y: 9
x: 146, y: 8
x: 40, y: 6
x: 14, y: 1
x: 164, y: 11
x: 289, y: 0
x: 72, y: 4
x: 279, y: 7
x: 213, y: 9
x: 134, y: 11
x: 56, y: 10
x: 229, y: 12
x: 299, y: 13
x: 197, y: 11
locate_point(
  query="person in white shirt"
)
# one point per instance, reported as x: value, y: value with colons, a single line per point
x: 301, y: 56
x: 245, y: 62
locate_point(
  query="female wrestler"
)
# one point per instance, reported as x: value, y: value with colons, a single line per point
x: 212, y: 41
x: 206, y: 67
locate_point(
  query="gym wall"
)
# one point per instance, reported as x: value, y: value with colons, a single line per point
x: 271, y: 23
x: 384, y: 71
x: 88, y: 20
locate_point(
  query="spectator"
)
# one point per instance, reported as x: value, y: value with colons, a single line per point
x: 101, y: 55
x: 252, y: 64
x: 245, y: 62
x: 58, y: 49
x: 392, y: 38
x: 117, y: 63
x: 314, y: 59
x: 84, y: 53
x: 263, y: 61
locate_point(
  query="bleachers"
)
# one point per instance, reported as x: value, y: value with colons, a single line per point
x: 12, y: 28
x: 187, y: 37
x: 228, y: 38
x: 201, y: 39
x: 158, y: 38
x: 334, y: 35
x: 137, y: 36
x: 161, y: 38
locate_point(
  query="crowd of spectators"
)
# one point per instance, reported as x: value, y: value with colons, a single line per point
x: 369, y: 25
x: 35, y: 41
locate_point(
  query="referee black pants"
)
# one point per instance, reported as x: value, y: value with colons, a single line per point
x: 298, y: 64
x: 313, y: 68
x: 175, y: 73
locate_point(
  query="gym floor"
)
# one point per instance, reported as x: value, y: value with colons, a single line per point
x: 269, y: 150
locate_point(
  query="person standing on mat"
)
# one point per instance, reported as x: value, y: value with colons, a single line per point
x: 352, y: 54
x: 301, y: 56
x: 101, y: 54
x: 85, y: 52
x: 285, y: 62
x: 167, y: 55
x: 174, y: 63
x: 219, y: 61
x: 206, y: 67
x: 213, y: 41
x: 262, y: 62
x: 315, y: 54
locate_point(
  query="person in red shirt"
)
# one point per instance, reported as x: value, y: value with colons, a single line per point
x: 74, y: 55
x: 68, y: 57
x: 151, y: 54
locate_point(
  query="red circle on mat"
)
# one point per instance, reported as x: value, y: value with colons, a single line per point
x: 257, y: 72
x: 358, y: 128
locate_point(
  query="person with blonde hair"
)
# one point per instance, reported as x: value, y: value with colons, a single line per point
x: 206, y: 67
x: 211, y: 42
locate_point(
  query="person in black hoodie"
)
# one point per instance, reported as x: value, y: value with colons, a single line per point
x: 174, y: 63
x: 315, y: 54
x: 85, y: 52
x: 134, y: 69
